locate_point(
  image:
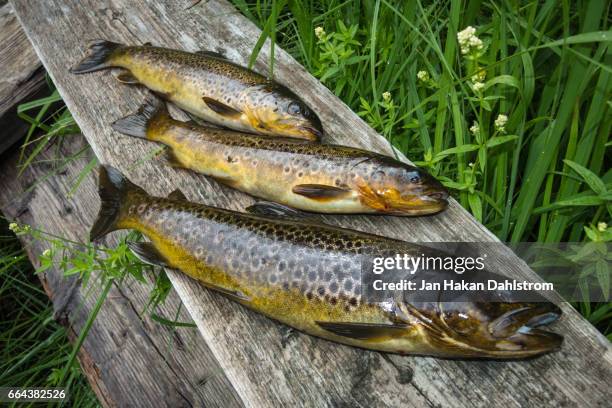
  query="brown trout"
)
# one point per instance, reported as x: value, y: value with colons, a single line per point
x: 313, y: 177
x: 208, y: 86
x: 309, y: 276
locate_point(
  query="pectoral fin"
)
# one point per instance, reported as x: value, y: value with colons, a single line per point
x: 269, y: 208
x: 320, y: 191
x: 177, y: 195
x: 221, y: 108
x: 363, y: 331
x: 147, y: 253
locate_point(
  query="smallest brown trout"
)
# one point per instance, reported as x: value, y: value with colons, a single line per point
x: 209, y: 86
x: 310, y: 276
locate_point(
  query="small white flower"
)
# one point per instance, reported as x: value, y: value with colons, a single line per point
x: 475, y: 128
x: 479, y: 76
x: 46, y: 253
x: 468, y: 41
x: 478, y: 86
x: 471, y: 164
x: 386, y: 96
x: 14, y: 227
x: 500, y: 122
x: 602, y: 226
x: 423, y: 76
x: 319, y: 32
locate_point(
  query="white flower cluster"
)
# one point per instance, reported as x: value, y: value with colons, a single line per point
x: 319, y: 32
x: 500, y: 123
x: 478, y: 86
x: 475, y: 129
x: 602, y: 226
x: 423, y: 76
x: 468, y: 40
x: 386, y: 96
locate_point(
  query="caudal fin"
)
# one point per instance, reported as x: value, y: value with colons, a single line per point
x: 97, y: 57
x: 136, y: 124
x: 113, y: 188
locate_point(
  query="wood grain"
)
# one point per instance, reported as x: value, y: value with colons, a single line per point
x: 262, y: 368
x: 22, y: 79
x: 129, y: 359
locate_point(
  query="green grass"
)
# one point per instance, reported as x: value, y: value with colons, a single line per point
x: 34, y: 348
x: 545, y: 174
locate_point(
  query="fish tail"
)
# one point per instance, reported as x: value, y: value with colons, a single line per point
x: 97, y: 57
x: 113, y: 189
x: 136, y: 124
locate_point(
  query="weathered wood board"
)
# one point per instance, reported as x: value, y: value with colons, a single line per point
x: 22, y: 76
x: 129, y: 359
x: 249, y: 347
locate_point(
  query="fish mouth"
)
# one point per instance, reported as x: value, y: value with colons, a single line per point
x: 428, y: 204
x: 311, y: 133
x: 519, y: 332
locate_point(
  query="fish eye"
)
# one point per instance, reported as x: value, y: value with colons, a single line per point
x: 414, y: 178
x: 294, y: 108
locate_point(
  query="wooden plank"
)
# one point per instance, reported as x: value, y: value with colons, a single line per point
x: 23, y: 77
x: 249, y: 347
x: 129, y: 359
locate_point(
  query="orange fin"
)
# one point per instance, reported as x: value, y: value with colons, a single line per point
x: 221, y: 108
x: 363, y: 331
x: 320, y: 191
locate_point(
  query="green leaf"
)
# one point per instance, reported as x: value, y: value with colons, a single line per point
x: 584, y: 201
x: 603, y: 277
x: 457, y: 150
x: 508, y: 80
x: 475, y: 206
x: 594, y: 182
x: 497, y: 140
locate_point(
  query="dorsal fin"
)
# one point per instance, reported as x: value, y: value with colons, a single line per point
x: 213, y: 54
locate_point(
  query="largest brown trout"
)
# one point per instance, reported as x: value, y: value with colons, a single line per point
x: 209, y: 86
x: 308, y: 276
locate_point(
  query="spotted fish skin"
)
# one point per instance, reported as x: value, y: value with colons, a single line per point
x: 209, y: 86
x: 300, y: 273
x: 308, y: 176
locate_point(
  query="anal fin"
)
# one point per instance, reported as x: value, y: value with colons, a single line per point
x: 235, y: 295
x: 147, y: 253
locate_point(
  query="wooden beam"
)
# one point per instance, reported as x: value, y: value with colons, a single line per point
x: 129, y: 359
x: 264, y: 369
x: 23, y: 77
